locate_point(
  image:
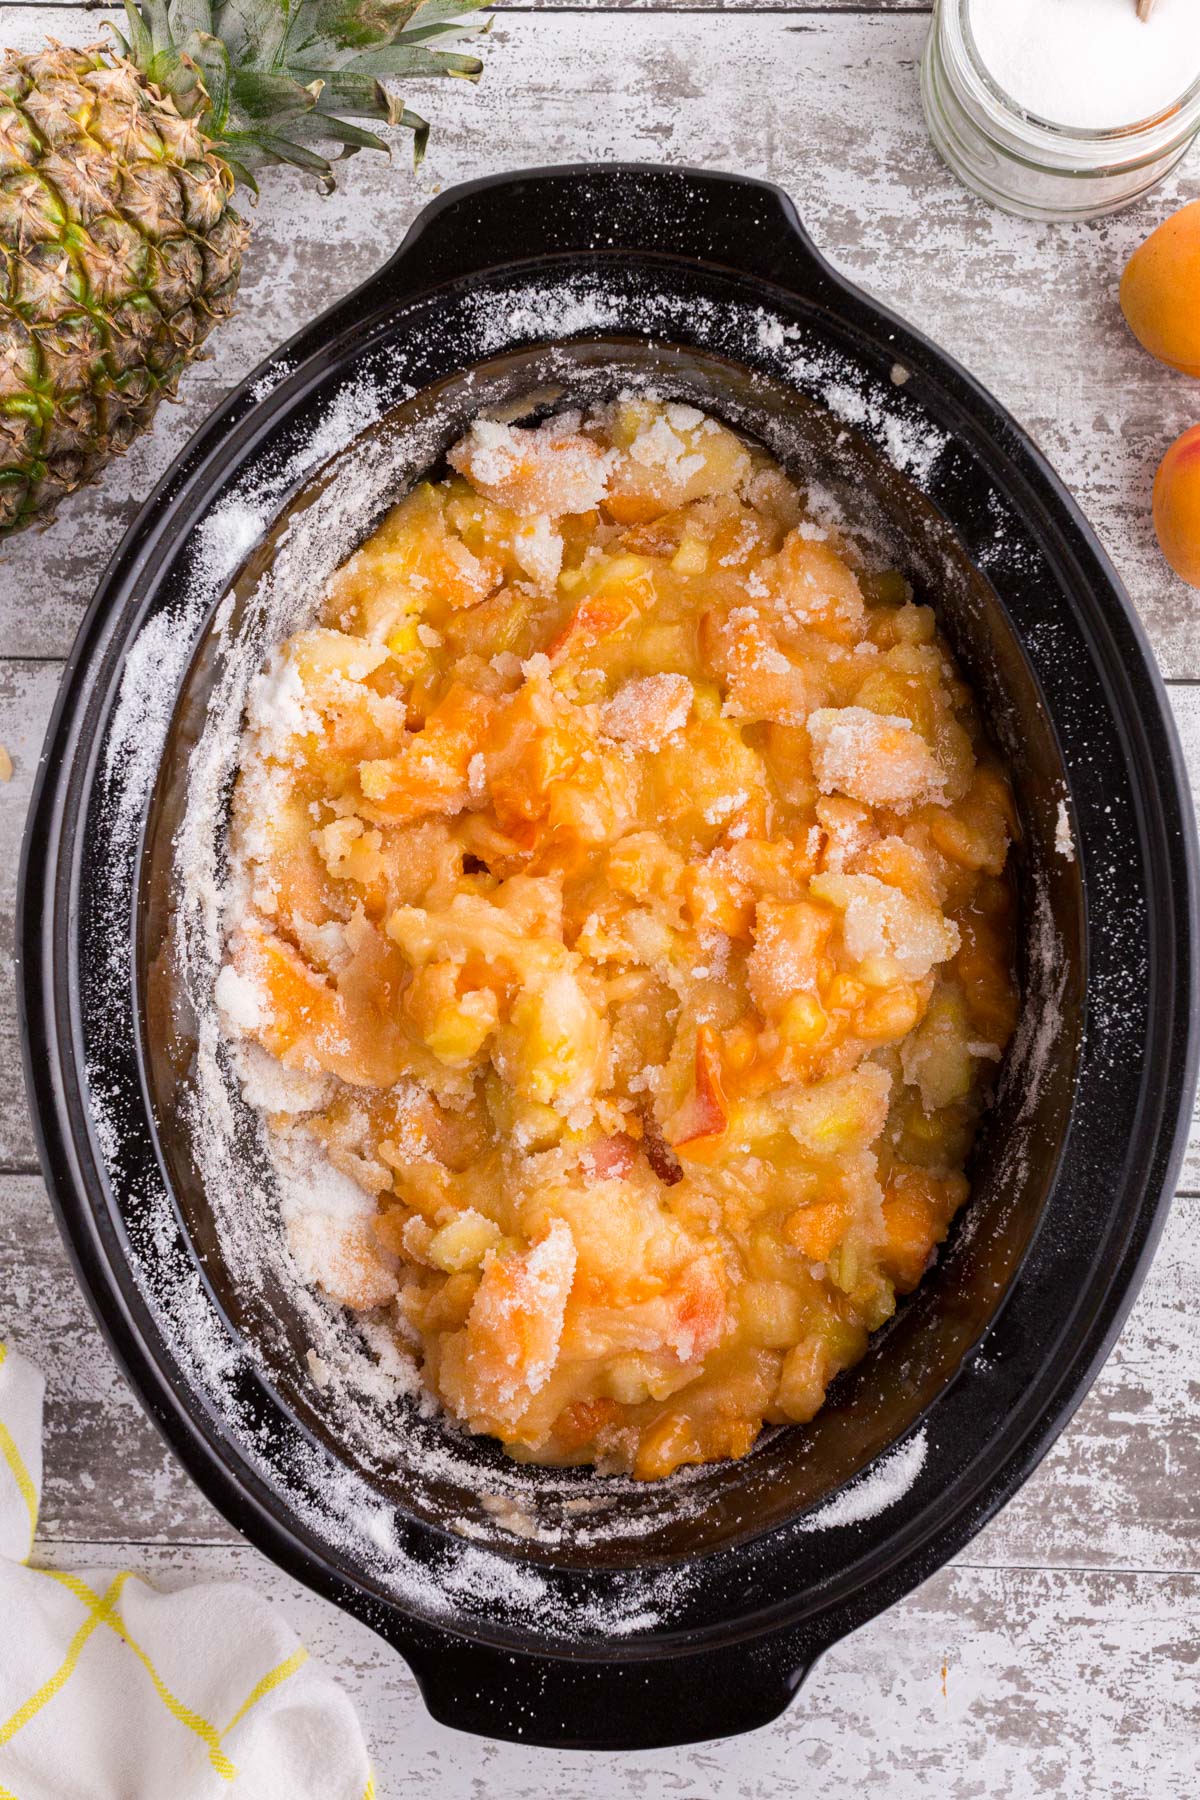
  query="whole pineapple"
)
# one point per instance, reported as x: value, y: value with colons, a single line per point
x: 120, y: 248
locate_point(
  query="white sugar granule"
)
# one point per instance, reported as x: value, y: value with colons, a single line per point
x: 658, y: 447
x: 240, y: 1000
x: 538, y: 547
x: 477, y: 776
x: 548, y: 469
x: 888, y: 1482
x: 158, y: 656
x: 272, y: 377
x: 647, y: 709
x: 873, y: 757
x: 1093, y: 64
x: 1064, y: 842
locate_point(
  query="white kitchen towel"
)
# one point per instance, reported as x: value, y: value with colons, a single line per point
x: 110, y: 1690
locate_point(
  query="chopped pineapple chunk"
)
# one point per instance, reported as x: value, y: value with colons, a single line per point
x: 463, y: 1242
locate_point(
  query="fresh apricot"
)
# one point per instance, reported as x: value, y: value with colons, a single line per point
x: 1160, y: 291
x: 1177, y: 506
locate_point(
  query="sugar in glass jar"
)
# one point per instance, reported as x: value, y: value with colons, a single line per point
x: 1062, y: 109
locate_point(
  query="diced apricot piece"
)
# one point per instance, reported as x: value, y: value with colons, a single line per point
x: 644, y: 867
x: 717, y: 899
x: 789, y: 941
x: 708, y: 781
x: 981, y: 967
x: 911, y: 1234
x: 762, y: 682
x: 978, y: 831
x: 818, y: 587
x: 917, y: 1209
x: 514, y: 1329
x: 296, y: 1004
x: 667, y: 1446
x: 705, y: 1112
x: 698, y: 1308
x: 598, y: 616
x: 431, y: 773
x: 579, y: 1424
x: 815, y: 1229
x: 550, y: 468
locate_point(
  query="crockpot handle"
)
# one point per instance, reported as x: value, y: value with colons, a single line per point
x: 608, y: 209
x: 643, y: 1703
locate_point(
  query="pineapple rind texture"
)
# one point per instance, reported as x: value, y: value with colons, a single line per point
x: 119, y: 246
x: 119, y: 251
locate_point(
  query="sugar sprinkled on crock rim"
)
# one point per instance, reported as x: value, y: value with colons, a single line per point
x: 562, y: 308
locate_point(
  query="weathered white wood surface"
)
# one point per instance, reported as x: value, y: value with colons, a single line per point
x: 1068, y: 1628
x: 988, y: 1682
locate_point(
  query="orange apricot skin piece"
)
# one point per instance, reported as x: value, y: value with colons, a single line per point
x: 704, y: 1114
x: 595, y: 618
x: 1160, y: 291
x: 1177, y: 506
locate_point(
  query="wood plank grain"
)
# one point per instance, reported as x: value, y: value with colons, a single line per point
x: 1119, y: 1490
x: 982, y: 1685
x: 27, y: 691
x: 108, y: 1473
x: 835, y: 117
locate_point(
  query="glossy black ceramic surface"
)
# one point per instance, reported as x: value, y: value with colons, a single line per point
x: 1076, y: 1163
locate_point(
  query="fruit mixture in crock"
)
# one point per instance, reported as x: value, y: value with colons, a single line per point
x: 619, y: 871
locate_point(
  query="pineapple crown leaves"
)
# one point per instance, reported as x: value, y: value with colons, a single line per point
x: 270, y: 80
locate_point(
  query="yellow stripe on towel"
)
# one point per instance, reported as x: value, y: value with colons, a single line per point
x: 22, y: 1477
x: 62, y: 1674
x: 20, y: 1474
x: 207, y: 1733
x: 272, y: 1679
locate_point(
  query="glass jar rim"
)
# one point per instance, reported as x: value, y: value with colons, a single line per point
x: 1110, y: 137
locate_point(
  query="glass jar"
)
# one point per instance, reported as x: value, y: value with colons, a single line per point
x: 1025, y: 164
